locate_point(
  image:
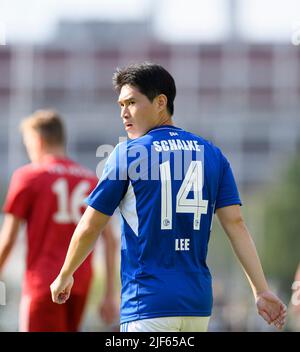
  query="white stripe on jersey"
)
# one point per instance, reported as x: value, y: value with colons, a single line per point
x: 128, y: 209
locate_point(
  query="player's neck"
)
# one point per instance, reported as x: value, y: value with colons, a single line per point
x: 53, y: 153
x: 167, y: 120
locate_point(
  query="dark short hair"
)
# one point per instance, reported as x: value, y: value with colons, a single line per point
x: 150, y: 79
x: 48, y: 124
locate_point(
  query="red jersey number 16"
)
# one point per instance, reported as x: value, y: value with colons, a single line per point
x: 69, y: 204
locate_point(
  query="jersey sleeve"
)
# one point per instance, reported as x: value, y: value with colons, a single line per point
x: 228, y: 193
x: 20, y: 195
x: 112, y: 185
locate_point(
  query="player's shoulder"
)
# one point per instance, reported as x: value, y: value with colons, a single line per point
x: 87, y: 171
x: 29, y: 170
x: 122, y: 148
x: 147, y: 139
x: 71, y: 168
x: 26, y: 175
x: 208, y: 144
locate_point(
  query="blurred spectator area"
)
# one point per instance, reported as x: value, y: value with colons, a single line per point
x: 242, y: 96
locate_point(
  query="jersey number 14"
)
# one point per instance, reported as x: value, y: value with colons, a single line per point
x: 196, y: 205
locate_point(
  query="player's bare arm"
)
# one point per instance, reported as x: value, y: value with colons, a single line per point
x: 82, y: 243
x: 108, y: 307
x: 8, y: 236
x: 269, y: 306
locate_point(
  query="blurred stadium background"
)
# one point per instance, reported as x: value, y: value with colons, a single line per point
x: 237, y: 68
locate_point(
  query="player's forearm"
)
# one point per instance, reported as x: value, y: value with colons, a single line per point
x: 5, y: 249
x: 8, y: 236
x: 245, y: 250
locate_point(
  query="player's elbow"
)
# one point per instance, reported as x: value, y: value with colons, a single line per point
x: 235, y: 226
x: 238, y: 221
x: 85, y: 231
x: 6, y: 247
x: 7, y: 241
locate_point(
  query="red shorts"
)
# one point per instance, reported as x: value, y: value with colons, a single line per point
x: 41, y: 314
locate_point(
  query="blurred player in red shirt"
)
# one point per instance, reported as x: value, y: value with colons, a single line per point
x: 48, y: 194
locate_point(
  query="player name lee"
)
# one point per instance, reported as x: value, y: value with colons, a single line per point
x: 182, y: 244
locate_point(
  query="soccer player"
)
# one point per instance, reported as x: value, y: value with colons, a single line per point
x: 167, y: 183
x: 48, y: 195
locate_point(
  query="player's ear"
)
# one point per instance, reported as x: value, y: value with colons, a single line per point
x: 161, y: 102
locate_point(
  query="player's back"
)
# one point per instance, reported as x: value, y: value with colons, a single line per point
x: 174, y: 186
x: 50, y: 197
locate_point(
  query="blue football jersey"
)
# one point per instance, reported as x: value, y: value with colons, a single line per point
x: 167, y: 185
